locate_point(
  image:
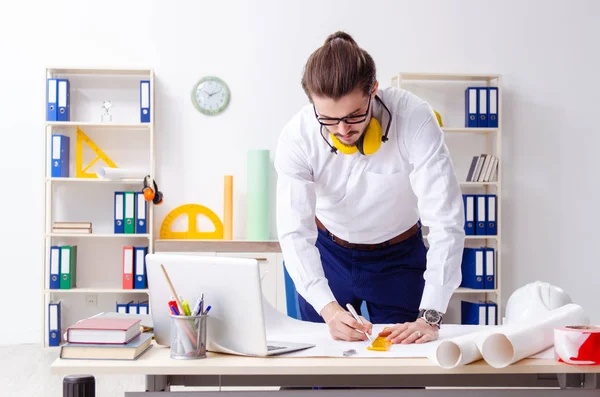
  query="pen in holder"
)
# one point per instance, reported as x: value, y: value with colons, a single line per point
x: 188, y: 336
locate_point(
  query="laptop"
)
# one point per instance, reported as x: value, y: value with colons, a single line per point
x: 231, y: 286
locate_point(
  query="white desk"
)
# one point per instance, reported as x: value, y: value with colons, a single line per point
x: 224, y: 370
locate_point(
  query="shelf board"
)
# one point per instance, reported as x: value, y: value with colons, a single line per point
x: 136, y: 126
x: 446, y: 76
x: 470, y: 130
x: 475, y: 291
x: 481, y: 237
x: 479, y: 184
x: 194, y: 245
x: 95, y: 180
x: 101, y: 72
x: 97, y: 235
x: 97, y: 291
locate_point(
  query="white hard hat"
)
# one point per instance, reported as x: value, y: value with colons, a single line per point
x: 532, y: 300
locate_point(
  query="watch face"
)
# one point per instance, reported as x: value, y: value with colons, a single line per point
x: 432, y: 316
x: 210, y: 95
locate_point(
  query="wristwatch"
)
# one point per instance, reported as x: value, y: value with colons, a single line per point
x: 431, y: 317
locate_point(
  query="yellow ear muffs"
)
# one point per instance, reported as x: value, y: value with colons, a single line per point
x: 368, y: 143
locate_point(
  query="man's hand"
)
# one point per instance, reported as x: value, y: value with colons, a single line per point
x: 416, y: 332
x: 342, y: 326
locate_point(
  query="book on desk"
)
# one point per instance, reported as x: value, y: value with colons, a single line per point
x: 106, y: 338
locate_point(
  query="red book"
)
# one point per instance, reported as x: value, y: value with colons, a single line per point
x: 104, y: 330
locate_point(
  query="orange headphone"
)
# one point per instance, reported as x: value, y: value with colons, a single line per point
x: 152, y: 193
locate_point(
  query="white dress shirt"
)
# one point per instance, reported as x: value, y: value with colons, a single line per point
x: 370, y: 199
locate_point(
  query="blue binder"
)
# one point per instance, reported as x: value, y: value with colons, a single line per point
x: 145, y: 101
x: 119, y: 214
x: 291, y: 295
x: 482, y: 109
x: 54, y: 326
x: 472, y: 268
x: 142, y: 214
x: 64, y: 100
x: 492, y: 212
x: 122, y: 308
x: 473, y: 313
x: 139, y: 263
x: 493, y: 107
x: 490, y: 268
x: 132, y: 308
x: 143, y: 308
x: 55, y: 267
x: 60, y: 156
x: 469, y: 204
x: 52, y: 100
x: 471, y: 106
x: 481, y: 214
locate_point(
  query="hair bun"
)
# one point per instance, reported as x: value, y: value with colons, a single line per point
x: 340, y: 35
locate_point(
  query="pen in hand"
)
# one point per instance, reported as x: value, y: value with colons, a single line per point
x: 355, y: 315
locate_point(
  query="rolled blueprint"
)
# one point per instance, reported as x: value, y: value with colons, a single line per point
x: 257, y: 212
x: 120, y: 173
x: 458, y: 351
x: 511, y: 343
x: 578, y: 345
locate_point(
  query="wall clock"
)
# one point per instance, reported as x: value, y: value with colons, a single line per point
x: 211, y: 95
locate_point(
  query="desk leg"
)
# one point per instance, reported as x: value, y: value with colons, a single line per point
x: 156, y: 383
x: 579, y: 381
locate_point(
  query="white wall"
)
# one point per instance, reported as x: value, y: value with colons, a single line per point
x: 544, y: 52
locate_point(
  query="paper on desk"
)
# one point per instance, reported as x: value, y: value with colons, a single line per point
x: 283, y: 328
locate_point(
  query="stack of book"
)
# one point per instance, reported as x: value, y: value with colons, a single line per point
x: 72, y: 227
x: 484, y: 168
x: 105, y: 338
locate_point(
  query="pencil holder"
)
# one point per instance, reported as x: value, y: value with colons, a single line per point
x: 188, y: 337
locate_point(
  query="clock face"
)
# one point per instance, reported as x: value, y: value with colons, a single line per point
x: 211, y: 95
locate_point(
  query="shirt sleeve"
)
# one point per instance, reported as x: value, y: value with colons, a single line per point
x: 296, y: 227
x: 440, y: 204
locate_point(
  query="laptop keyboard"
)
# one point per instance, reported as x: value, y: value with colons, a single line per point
x: 272, y: 347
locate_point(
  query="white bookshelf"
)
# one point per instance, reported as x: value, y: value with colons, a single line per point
x: 126, y: 141
x: 428, y: 86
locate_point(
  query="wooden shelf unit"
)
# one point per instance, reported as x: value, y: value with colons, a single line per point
x: 117, y: 131
x: 493, y: 144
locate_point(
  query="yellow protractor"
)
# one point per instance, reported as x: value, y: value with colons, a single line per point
x: 192, y: 211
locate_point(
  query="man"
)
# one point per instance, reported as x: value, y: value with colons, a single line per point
x: 359, y: 169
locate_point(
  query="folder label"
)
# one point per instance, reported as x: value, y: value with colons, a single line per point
x: 482, y: 315
x: 479, y: 264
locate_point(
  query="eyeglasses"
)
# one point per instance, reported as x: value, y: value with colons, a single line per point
x: 356, y: 119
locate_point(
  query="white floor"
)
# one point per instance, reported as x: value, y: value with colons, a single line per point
x: 25, y: 372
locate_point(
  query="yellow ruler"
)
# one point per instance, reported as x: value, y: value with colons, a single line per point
x: 80, y: 171
x: 192, y: 211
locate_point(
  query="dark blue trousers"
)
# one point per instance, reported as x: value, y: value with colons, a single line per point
x: 390, y: 281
